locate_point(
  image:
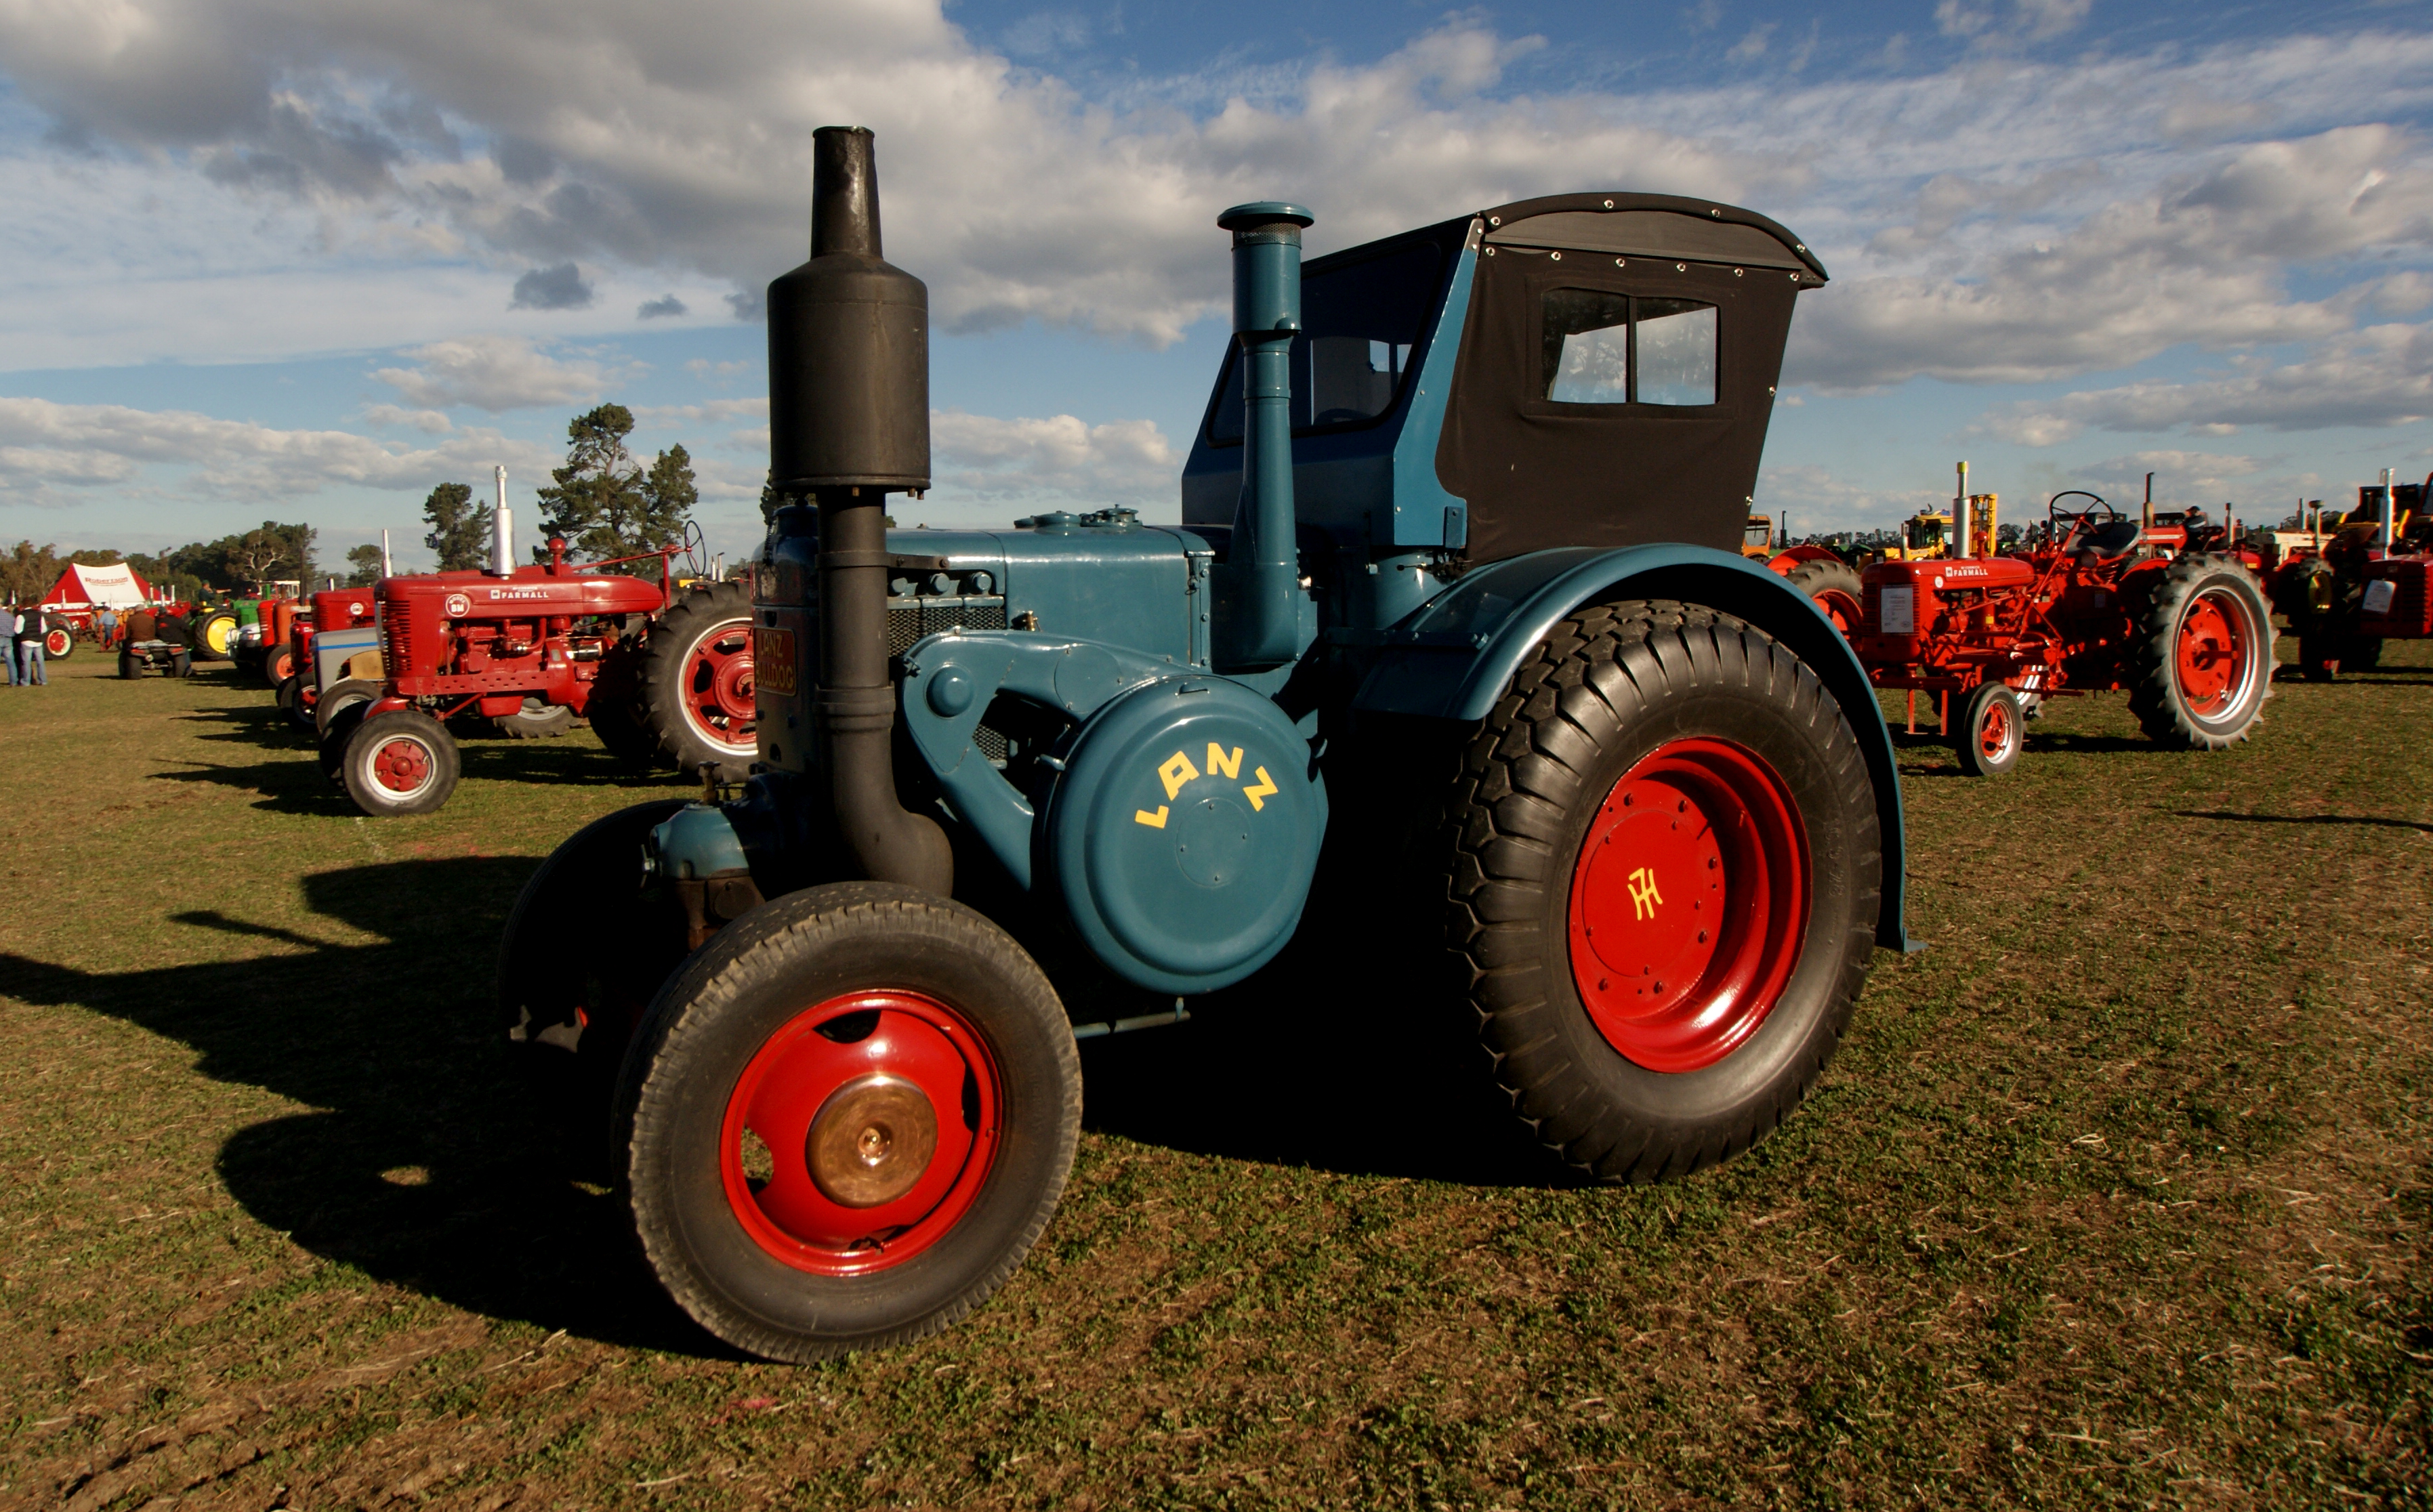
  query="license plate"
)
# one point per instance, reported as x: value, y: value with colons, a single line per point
x: 772, y: 659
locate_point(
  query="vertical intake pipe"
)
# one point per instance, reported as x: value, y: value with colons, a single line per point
x: 1258, y: 621
x: 850, y: 423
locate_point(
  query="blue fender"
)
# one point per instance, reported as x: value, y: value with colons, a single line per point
x: 1452, y: 658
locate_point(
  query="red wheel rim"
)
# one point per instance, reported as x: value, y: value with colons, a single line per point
x: 1842, y: 609
x: 834, y: 1103
x: 1997, y: 731
x: 1688, y: 903
x: 718, y: 687
x: 402, y: 765
x: 2212, y: 652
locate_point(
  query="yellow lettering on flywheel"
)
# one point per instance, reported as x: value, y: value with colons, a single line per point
x: 1265, y: 786
x: 1155, y: 821
x: 1177, y: 770
x: 1219, y: 761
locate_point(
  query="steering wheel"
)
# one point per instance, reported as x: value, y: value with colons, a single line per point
x: 2078, y: 519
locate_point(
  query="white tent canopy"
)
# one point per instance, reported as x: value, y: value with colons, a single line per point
x: 82, y: 586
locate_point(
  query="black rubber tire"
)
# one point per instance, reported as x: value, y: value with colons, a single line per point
x: 1967, y: 738
x: 1828, y: 583
x: 2155, y: 696
x: 1606, y: 687
x: 59, y: 644
x: 203, y: 624
x: 750, y: 981
x: 279, y: 663
x: 705, y: 611
x: 612, y: 719
x: 370, y: 736
x: 2362, y: 653
x: 132, y: 667
x: 536, y: 721
x: 181, y: 662
x: 292, y: 705
x: 585, y: 951
x: 334, y: 736
x: 351, y: 693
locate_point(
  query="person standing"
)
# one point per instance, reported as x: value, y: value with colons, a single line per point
x: 8, y: 629
x: 105, y: 624
x: 29, y: 649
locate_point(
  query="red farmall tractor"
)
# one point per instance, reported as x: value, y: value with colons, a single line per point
x: 2096, y: 602
x: 663, y: 670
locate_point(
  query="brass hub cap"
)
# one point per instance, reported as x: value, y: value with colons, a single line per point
x: 871, y: 1141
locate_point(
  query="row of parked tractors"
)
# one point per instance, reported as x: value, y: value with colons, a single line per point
x: 386, y: 678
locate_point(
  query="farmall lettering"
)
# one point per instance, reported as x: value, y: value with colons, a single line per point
x: 1177, y: 770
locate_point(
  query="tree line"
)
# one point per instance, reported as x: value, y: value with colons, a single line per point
x: 604, y: 502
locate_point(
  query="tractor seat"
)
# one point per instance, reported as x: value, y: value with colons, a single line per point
x: 2115, y: 538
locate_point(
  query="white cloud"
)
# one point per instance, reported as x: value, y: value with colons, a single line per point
x: 49, y: 453
x: 1057, y: 460
x: 1751, y: 45
x: 2381, y: 376
x: 496, y: 373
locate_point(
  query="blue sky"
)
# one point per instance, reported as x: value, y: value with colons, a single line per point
x: 303, y: 259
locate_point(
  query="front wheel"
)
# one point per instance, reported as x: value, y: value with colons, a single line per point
x: 1992, y: 731
x: 400, y: 762
x: 1664, y: 879
x: 59, y: 644
x: 847, y: 1120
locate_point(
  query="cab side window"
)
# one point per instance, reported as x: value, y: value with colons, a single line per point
x: 1601, y: 347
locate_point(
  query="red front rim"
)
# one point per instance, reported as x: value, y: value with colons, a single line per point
x: 402, y: 765
x: 874, y: 1057
x: 718, y: 687
x: 56, y: 643
x: 1688, y: 903
x: 1997, y: 731
x: 2212, y: 652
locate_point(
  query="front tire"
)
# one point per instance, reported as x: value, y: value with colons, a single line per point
x: 538, y: 720
x: 847, y: 1120
x: 1681, y: 785
x: 59, y: 645
x: 2200, y: 663
x: 1992, y: 731
x: 400, y: 762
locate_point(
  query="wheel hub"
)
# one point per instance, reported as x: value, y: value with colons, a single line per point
x: 401, y: 766
x: 889, y: 1102
x: 1689, y: 901
x: 2212, y: 654
x: 1999, y: 731
x: 719, y: 688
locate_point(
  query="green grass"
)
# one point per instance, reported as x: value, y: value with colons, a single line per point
x: 2115, y: 1195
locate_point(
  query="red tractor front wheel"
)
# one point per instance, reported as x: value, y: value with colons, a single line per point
x: 400, y: 762
x: 1992, y: 731
x: 846, y: 1121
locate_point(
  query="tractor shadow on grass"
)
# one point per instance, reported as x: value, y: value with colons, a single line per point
x: 2369, y: 821
x: 291, y: 782
x: 423, y: 1160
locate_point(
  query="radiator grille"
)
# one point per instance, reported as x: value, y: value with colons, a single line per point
x: 909, y: 620
x: 397, y: 629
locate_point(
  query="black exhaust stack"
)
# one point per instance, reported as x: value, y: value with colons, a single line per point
x: 850, y: 423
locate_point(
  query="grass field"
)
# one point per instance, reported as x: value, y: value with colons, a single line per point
x: 2116, y: 1194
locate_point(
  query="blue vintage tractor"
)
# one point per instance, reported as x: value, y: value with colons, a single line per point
x: 1456, y: 611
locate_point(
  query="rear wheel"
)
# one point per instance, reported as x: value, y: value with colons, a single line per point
x: 400, y: 762
x: 214, y: 636
x: 1664, y: 885
x: 1834, y: 587
x: 612, y: 719
x: 538, y: 720
x: 1992, y: 731
x: 584, y: 954
x: 59, y: 644
x: 131, y: 666
x: 2201, y: 659
x: 696, y: 682
x: 847, y: 1120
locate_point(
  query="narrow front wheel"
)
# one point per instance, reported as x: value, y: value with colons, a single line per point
x: 1992, y: 732
x: 400, y: 762
x: 847, y: 1120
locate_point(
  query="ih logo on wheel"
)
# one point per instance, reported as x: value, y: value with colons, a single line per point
x: 1643, y: 896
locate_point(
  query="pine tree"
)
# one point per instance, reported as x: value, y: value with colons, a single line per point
x: 603, y: 503
x: 460, y: 529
